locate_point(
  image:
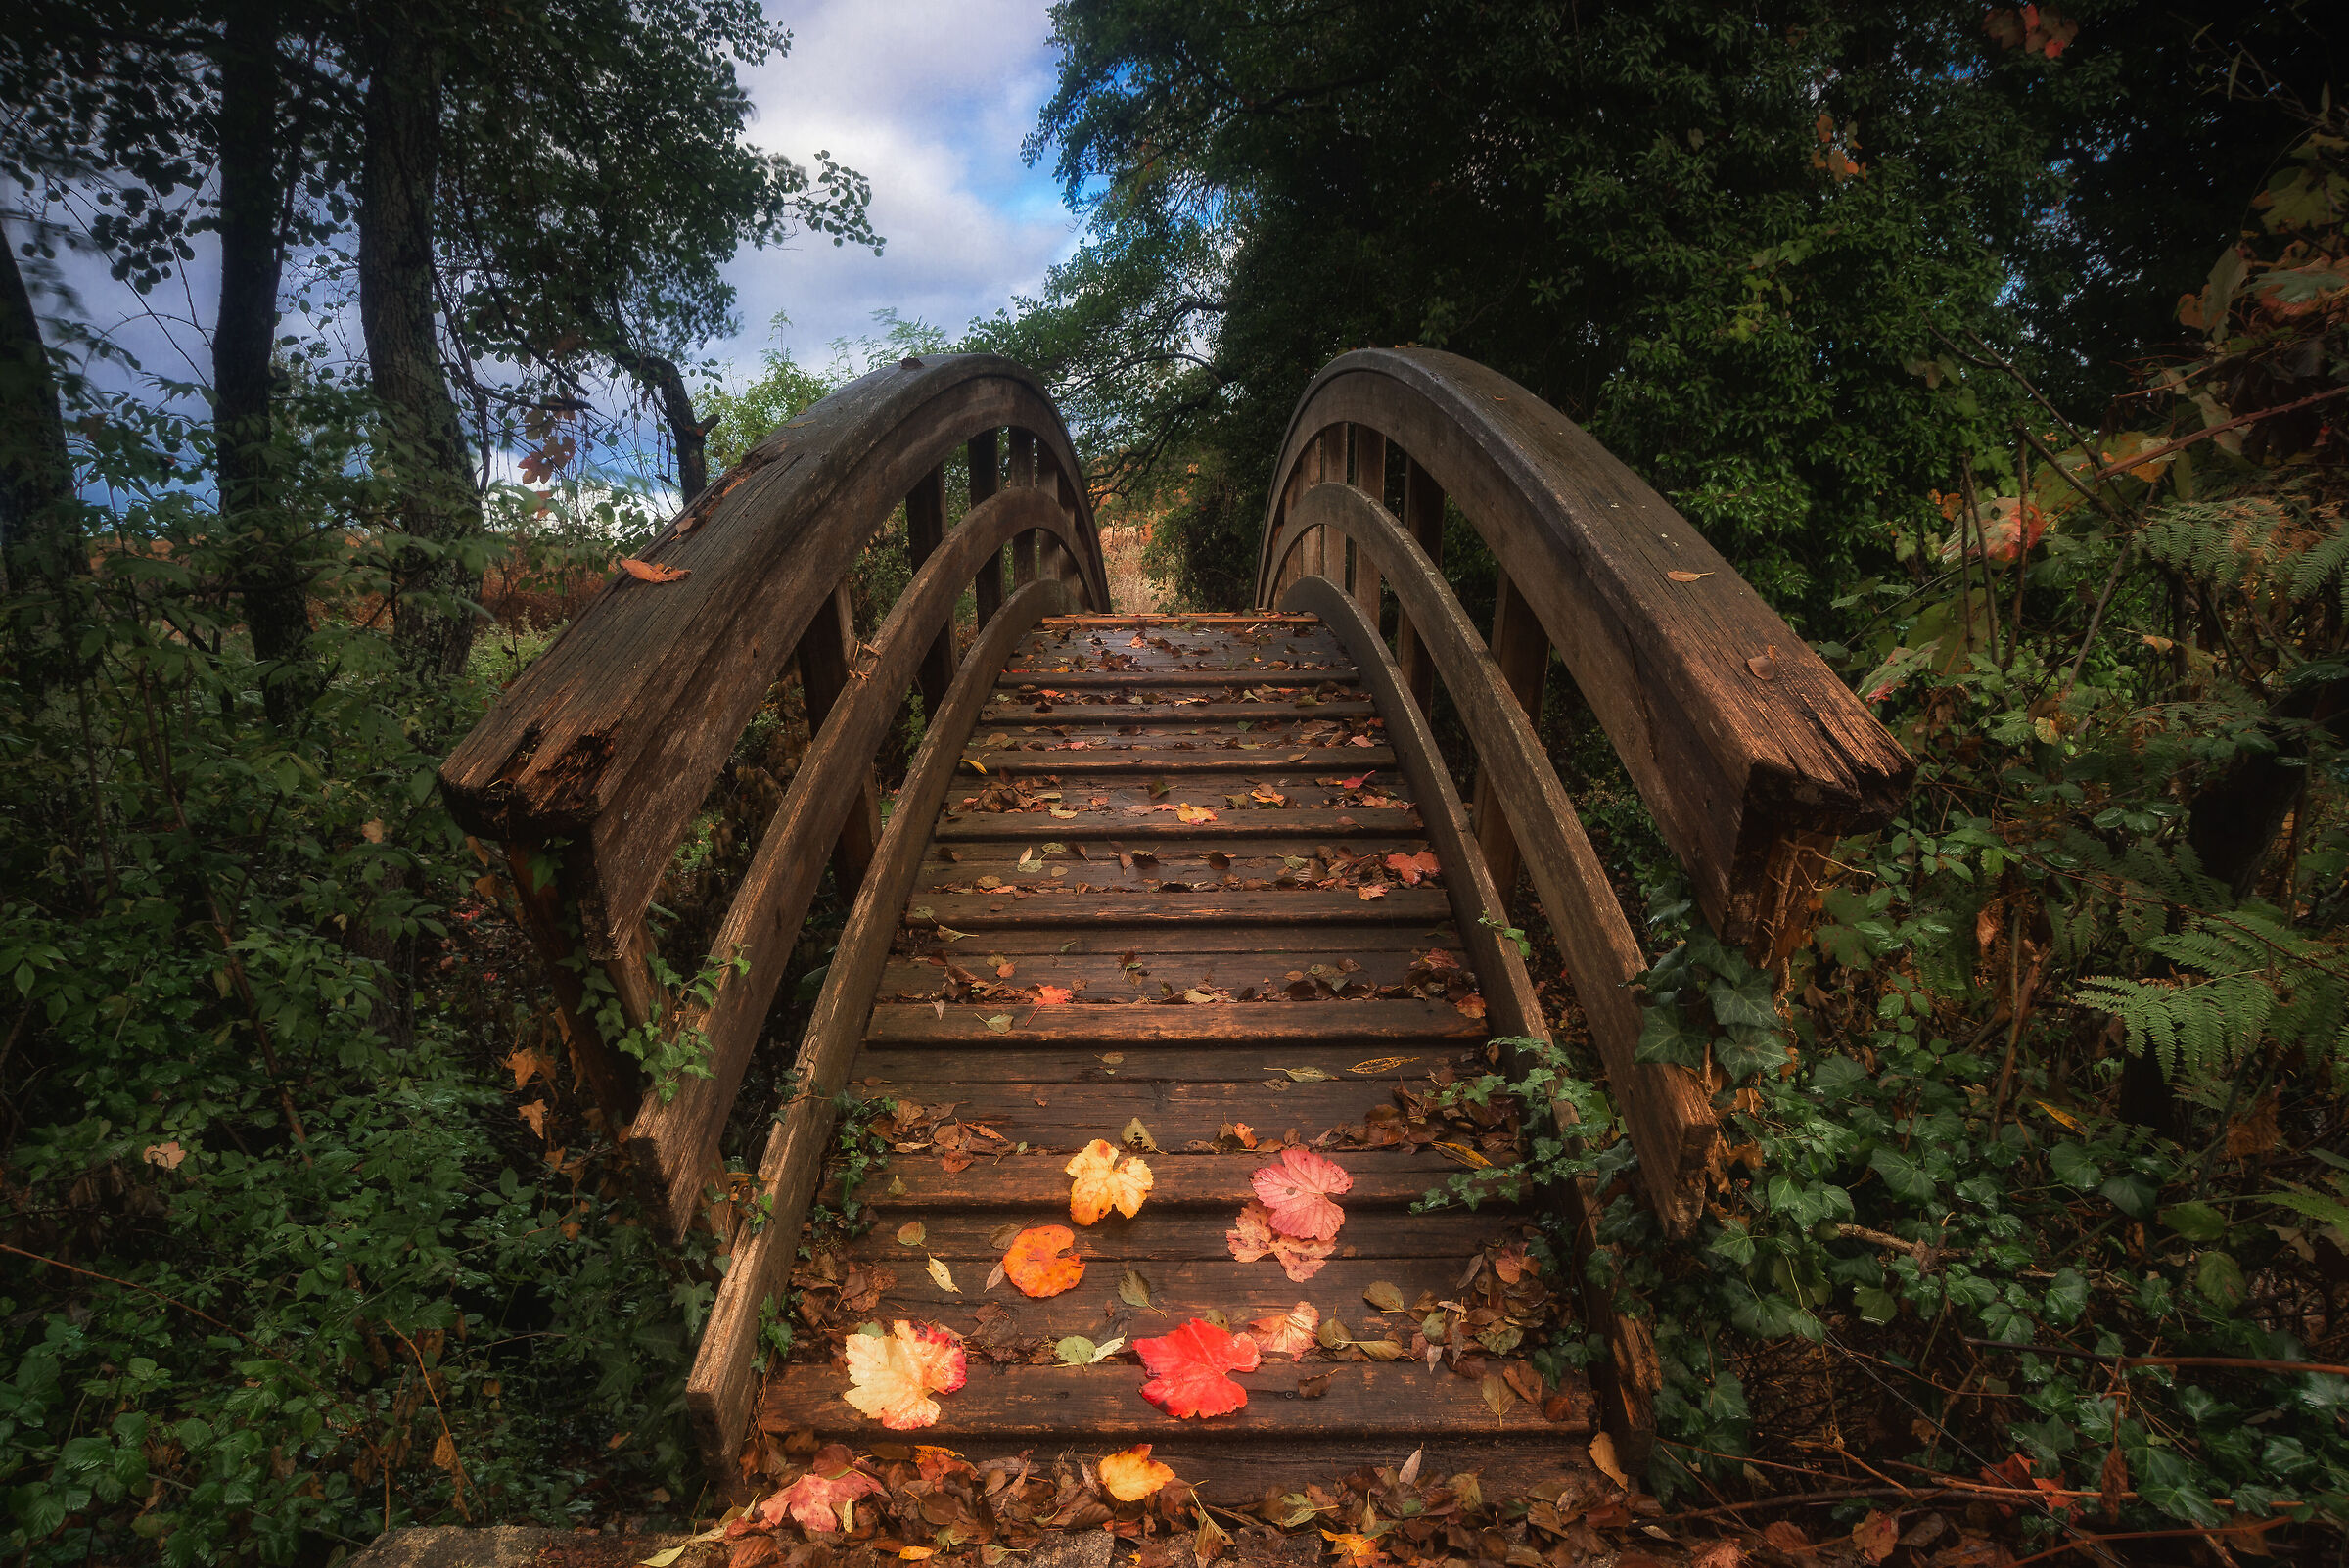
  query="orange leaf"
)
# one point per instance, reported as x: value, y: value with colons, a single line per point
x: 1195, y: 813
x: 1688, y: 577
x: 1132, y: 1475
x: 1290, y: 1334
x: 1254, y: 1237
x: 1190, y: 1370
x: 1411, y: 867
x: 1296, y: 1194
x: 654, y: 571
x: 1043, y: 1261
x: 1103, y: 1184
x: 814, y: 1499
x: 1875, y: 1535
x: 1054, y: 996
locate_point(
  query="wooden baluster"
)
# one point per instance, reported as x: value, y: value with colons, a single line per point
x: 1022, y: 473
x: 1064, y: 564
x: 1292, y: 566
x: 1522, y: 650
x: 1369, y: 477
x: 985, y: 452
x: 1328, y: 559
x: 826, y: 654
x: 1423, y: 518
x: 925, y: 527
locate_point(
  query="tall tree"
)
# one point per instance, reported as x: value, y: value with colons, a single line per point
x: 439, y: 510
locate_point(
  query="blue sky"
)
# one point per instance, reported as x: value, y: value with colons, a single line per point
x: 930, y: 100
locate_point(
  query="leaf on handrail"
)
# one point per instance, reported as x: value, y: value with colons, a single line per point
x: 654, y: 571
x: 1688, y: 577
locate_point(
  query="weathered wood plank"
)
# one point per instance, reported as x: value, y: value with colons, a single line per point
x: 1277, y: 680
x: 1145, y: 1024
x: 1163, y: 760
x: 1349, y: 824
x: 1189, y: 1062
x: 980, y: 911
x: 1001, y: 1404
x: 1072, y: 1115
x: 1176, y: 1236
x: 1521, y: 650
x: 1208, y: 1182
x: 1149, y: 713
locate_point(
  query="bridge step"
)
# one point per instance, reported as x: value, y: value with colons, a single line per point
x: 1231, y: 983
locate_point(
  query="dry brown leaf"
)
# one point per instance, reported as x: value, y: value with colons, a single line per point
x: 1602, y: 1455
x: 1688, y: 577
x: 654, y: 571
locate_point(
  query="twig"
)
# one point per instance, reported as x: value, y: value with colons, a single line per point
x: 457, y: 1468
x: 2139, y: 459
x: 2245, y: 1364
x: 2248, y: 1527
x: 1812, y: 1500
x: 2096, y: 619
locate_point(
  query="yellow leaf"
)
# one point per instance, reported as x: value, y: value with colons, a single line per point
x: 1132, y: 1475
x: 911, y: 1234
x: 444, y: 1452
x: 945, y: 1277
x: 891, y: 1377
x: 1461, y: 1154
x: 1195, y: 813
x: 1104, y: 1182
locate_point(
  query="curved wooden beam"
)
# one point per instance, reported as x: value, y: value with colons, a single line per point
x: 610, y: 740
x: 1747, y: 749
x: 676, y: 1144
x: 1665, y: 1109
x: 723, y: 1382
x: 1628, y: 1383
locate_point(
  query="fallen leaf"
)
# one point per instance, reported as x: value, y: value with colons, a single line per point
x: 814, y: 1500
x: 1290, y: 1334
x: 533, y: 1113
x: 1255, y: 1238
x: 1383, y: 1296
x: 1000, y: 1023
x: 1461, y: 1154
x: 1410, y: 1467
x: 1076, y: 1350
x: 1054, y: 996
x: 891, y: 1377
x: 1470, y: 1006
x: 1602, y: 1455
x: 1042, y: 1260
x: 1135, y: 1135
x: 945, y: 1277
x: 1688, y: 577
x: 1787, y: 1537
x: 1355, y: 1551
x: 1104, y: 1182
x: 1132, y: 1475
x: 1497, y: 1395
x: 1195, y: 813
x: 653, y: 570
x: 1190, y: 1370
x: 1369, y: 891
x: 911, y: 1234
x: 1763, y: 665
x: 1134, y: 1290
x: 1411, y: 867
x: 1875, y: 1535
x: 1307, y: 1075
x: 1296, y: 1193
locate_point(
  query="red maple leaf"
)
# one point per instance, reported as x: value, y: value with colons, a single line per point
x: 1188, y: 1370
x: 1297, y: 1193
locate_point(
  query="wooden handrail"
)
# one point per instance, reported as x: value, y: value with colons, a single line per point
x: 724, y: 1381
x: 610, y: 740
x: 1666, y: 1110
x: 678, y: 1139
x: 1748, y: 750
x: 1628, y: 1382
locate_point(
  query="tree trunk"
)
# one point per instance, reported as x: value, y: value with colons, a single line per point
x: 41, y: 537
x: 269, y: 569
x: 439, y: 509
x: 661, y: 378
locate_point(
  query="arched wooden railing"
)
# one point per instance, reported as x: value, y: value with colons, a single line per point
x: 592, y: 767
x: 1749, y: 753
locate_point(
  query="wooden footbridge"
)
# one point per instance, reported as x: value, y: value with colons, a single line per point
x: 1166, y: 879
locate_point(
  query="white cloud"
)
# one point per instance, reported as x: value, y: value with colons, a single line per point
x: 929, y: 98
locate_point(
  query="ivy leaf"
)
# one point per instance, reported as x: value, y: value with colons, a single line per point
x: 2132, y: 1194
x: 2066, y: 1298
x: 2073, y: 1168
x: 1901, y: 1175
x: 1665, y: 1036
x: 1743, y: 1003
x: 1876, y: 1306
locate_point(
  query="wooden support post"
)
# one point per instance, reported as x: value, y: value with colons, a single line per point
x: 1370, y: 477
x: 1020, y: 474
x: 984, y: 453
x: 1062, y: 564
x: 1330, y: 464
x: 1522, y: 650
x: 825, y: 656
x: 925, y: 526
x: 616, y: 1081
x: 1422, y: 519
